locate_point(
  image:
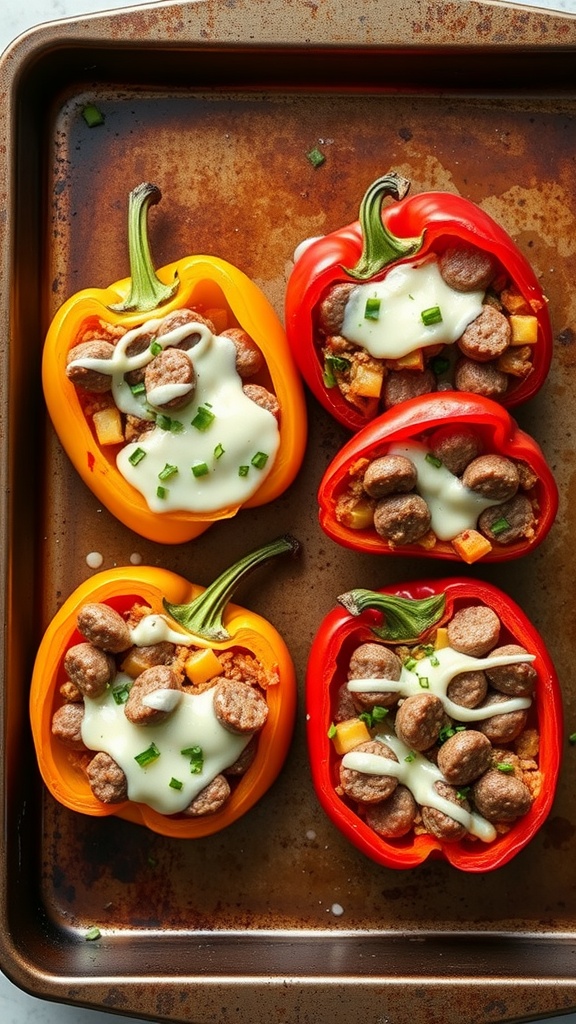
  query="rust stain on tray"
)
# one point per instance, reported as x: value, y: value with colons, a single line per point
x: 214, y: 157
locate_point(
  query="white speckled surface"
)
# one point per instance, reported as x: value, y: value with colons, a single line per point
x: 17, y: 1007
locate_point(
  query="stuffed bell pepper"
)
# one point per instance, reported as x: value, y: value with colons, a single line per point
x: 434, y: 721
x: 162, y: 703
x: 443, y: 476
x: 425, y: 293
x: 174, y: 393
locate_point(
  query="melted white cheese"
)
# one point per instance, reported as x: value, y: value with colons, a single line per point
x: 453, y: 507
x: 239, y: 430
x: 429, y: 677
x: 192, y: 723
x: 404, y: 294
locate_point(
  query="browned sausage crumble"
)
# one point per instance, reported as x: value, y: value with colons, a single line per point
x: 106, y: 656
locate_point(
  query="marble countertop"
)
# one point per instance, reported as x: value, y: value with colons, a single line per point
x: 17, y: 1007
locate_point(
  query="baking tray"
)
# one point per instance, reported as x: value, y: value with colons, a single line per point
x: 218, y: 102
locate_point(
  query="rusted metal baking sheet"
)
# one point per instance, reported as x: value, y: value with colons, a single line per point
x: 218, y: 102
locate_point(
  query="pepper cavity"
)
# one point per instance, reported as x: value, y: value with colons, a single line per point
x: 163, y: 351
x: 186, y: 400
x: 162, y: 721
x: 442, y: 476
x: 441, y: 485
x: 436, y: 738
x: 387, y: 341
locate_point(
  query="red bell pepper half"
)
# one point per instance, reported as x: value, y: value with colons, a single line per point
x: 409, y: 230
x: 347, y: 512
x: 412, y: 613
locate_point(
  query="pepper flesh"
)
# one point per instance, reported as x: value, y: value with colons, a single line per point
x: 198, y: 282
x: 417, y: 226
x: 497, y: 430
x: 240, y: 628
x: 339, y: 634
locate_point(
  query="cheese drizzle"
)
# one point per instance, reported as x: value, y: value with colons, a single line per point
x: 433, y: 674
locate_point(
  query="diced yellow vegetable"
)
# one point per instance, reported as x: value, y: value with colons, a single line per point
x: 441, y: 639
x: 350, y: 734
x: 355, y: 514
x: 471, y: 546
x: 202, y: 666
x: 219, y: 318
x: 108, y: 426
x: 134, y: 663
x: 524, y: 330
x: 411, y: 361
x: 367, y: 378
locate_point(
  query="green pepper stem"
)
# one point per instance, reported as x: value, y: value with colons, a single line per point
x: 203, y: 615
x: 147, y: 291
x: 405, y: 618
x: 380, y: 246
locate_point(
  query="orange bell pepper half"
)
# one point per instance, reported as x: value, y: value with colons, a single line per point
x: 204, y: 617
x: 209, y: 286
